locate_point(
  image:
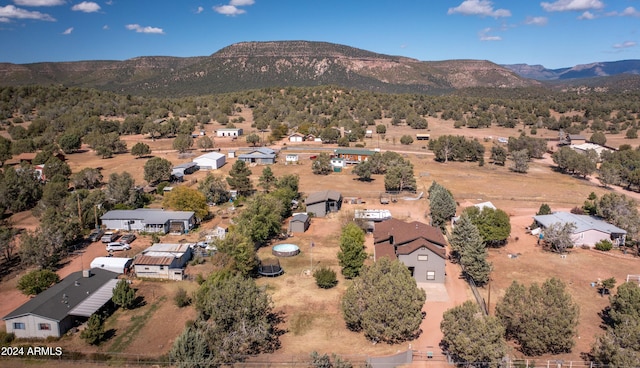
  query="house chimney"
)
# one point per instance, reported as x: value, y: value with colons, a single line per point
x: 86, y: 273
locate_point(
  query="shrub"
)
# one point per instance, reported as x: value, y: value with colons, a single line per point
x: 37, y: 281
x: 325, y: 278
x: 604, y: 245
x: 406, y: 139
x: 182, y: 299
x: 6, y: 338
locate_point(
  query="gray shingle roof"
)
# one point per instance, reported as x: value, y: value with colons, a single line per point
x: 323, y: 196
x: 59, y: 300
x: 582, y: 222
x: 148, y: 215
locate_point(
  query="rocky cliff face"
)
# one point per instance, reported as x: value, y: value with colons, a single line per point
x: 269, y: 64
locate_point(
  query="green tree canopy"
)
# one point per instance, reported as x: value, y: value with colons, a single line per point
x: 261, y: 218
x: 140, y: 149
x: 442, y: 206
x: 267, y: 180
x: 69, y: 142
x: 494, y: 225
x: 472, y: 338
x: 205, y: 143
x: 124, y: 295
x: 182, y: 143
x: 93, y: 333
x: 183, y: 198
x: 239, y: 179
x: 321, y: 165
x: 157, y: 169
x: 468, y: 248
x: 191, y: 349
x: 384, y: 302
x: 352, y: 253
x: 240, y: 253
x: 542, y: 319
x: 120, y: 189
x: 400, y: 177
x: 37, y: 281
x: 214, y: 189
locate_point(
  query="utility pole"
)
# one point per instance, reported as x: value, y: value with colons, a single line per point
x: 79, y: 209
x: 95, y: 215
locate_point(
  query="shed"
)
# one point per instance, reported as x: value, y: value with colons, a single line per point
x: 299, y: 223
x: 114, y: 264
x: 296, y: 137
x: 291, y: 158
x: 184, y: 169
x: 338, y: 162
x: 210, y: 161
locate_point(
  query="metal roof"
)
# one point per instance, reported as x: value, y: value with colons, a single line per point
x: 167, y: 247
x: 185, y: 165
x: 210, y: 156
x: 353, y: 151
x: 95, y: 301
x: 148, y: 215
x: 583, y: 222
x: 59, y: 300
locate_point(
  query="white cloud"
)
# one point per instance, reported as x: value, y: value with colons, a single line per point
x: 630, y: 12
x: 479, y: 7
x: 68, y: 31
x: 39, y: 2
x: 86, y: 6
x: 572, y: 5
x: 536, y: 21
x: 199, y: 10
x: 241, y: 2
x: 10, y: 11
x: 624, y: 45
x: 105, y: 27
x: 228, y: 10
x: 140, y: 29
x: 485, y: 36
x: 587, y: 15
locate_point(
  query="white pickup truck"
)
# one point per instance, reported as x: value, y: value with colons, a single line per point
x: 109, y: 237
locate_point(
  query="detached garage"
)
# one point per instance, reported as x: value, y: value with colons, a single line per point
x: 210, y: 161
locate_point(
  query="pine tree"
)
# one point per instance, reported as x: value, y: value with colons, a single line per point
x: 352, y: 252
x: 239, y: 178
x: 191, y: 349
x: 463, y: 232
x: 441, y: 205
x: 467, y: 246
x: 123, y: 295
x: 267, y: 180
x: 94, y: 332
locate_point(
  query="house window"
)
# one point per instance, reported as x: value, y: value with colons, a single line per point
x: 19, y: 326
x: 431, y: 275
x: 412, y: 270
x: 423, y: 257
x: 146, y: 268
x: 44, y: 326
x: 161, y: 268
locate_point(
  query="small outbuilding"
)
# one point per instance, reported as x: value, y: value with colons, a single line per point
x: 210, y: 161
x: 163, y: 261
x: 118, y: 265
x: 291, y: 158
x: 184, y: 169
x: 299, y: 223
x: 296, y: 137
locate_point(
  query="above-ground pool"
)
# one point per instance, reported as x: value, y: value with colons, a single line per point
x: 285, y: 250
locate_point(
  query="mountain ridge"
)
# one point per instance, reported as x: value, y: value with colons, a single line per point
x: 254, y: 65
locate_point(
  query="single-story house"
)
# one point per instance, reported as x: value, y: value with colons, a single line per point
x: 163, y: 261
x: 62, y: 306
x: 422, y: 248
x: 28, y: 157
x: 184, y: 169
x: 322, y: 203
x: 588, y: 229
x: 263, y: 155
x: 291, y: 158
x: 210, y: 161
x: 299, y: 223
x: 229, y: 132
x: 151, y: 220
x: 118, y: 265
x: 353, y: 155
x: 296, y: 137
x: 584, y: 147
x: 570, y: 139
x: 368, y: 133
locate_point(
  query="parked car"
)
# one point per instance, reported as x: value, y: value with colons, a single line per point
x: 109, y: 237
x: 96, y: 235
x: 117, y: 246
x: 128, y: 238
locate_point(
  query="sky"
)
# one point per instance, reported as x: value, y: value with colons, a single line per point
x: 552, y: 33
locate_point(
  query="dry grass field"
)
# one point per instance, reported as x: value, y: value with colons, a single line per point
x: 312, y: 315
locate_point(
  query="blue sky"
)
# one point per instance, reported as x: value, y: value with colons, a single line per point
x: 554, y: 33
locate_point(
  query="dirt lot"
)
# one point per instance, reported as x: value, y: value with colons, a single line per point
x: 313, y: 320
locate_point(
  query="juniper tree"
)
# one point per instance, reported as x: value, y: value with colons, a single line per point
x: 472, y: 338
x: 441, y: 205
x: 352, y: 252
x: 384, y: 302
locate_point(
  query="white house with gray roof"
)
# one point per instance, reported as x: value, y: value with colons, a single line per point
x: 151, y: 220
x: 588, y: 229
x: 262, y: 156
x: 63, y: 306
